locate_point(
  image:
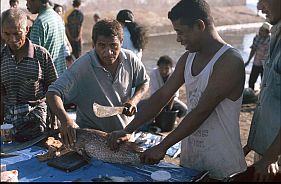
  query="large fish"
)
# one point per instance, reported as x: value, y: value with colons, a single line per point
x: 93, y: 142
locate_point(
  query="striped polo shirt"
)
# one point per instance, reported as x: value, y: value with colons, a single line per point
x: 48, y: 31
x: 28, y: 79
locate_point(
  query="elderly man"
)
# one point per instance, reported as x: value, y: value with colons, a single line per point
x: 105, y: 75
x: 26, y: 72
x: 48, y: 31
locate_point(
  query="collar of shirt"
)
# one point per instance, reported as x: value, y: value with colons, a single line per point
x: 95, y: 63
x: 30, y: 52
x: 276, y: 27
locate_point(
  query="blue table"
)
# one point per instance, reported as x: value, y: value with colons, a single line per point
x: 32, y: 170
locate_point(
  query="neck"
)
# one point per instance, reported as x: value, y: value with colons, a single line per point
x: 212, y: 41
x: 20, y: 53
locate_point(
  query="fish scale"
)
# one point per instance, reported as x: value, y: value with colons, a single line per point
x: 93, y: 142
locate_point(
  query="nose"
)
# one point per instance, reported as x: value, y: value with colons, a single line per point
x: 179, y: 38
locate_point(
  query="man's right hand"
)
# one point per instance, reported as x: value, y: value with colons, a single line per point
x: 117, y: 137
x: 68, y: 133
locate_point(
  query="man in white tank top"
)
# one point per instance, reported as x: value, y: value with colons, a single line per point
x: 214, y: 75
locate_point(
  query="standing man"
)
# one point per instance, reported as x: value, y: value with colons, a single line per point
x: 74, y: 28
x: 26, y: 72
x: 259, y: 49
x: 105, y: 75
x: 264, y: 137
x: 214, y: 76
x: 48, y: 31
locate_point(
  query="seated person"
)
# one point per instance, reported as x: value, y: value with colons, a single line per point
x: 26, y: 72
x: 159, y: 76
x: 105, y: 75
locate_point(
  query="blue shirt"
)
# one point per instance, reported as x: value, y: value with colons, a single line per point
x: 267, y: 117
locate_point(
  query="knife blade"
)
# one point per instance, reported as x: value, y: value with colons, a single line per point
x: 106, y: 111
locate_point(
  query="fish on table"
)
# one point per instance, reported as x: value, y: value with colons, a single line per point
x: 93, y: 143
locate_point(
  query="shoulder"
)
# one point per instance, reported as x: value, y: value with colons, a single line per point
x: 182, y: 60
x: 40, y: 49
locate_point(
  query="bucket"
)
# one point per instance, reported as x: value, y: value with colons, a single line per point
x: 166, y: 120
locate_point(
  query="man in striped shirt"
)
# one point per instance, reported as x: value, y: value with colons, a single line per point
x: 26, y: 72
x: 48, y: 31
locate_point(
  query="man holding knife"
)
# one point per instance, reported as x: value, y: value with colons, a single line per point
x: 105, y: 75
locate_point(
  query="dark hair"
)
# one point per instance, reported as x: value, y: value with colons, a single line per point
x: 138, y: 32
x: 76, y: 3
x: 165, y: 60
x: 70, y: 58
x: 57, y: 5
x: 107, y: 28
x: 189, y: 11
x: 13, y: 1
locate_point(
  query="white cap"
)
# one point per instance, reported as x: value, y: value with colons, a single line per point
x: 266, y: 26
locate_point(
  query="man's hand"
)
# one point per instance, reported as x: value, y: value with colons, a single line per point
x: 129, y: 109
x: 263, y: 171
x: 153, y: 155
x: 68, y: 133
x: 117, y: 137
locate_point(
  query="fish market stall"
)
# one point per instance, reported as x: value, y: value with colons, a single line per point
x: 30, y: 169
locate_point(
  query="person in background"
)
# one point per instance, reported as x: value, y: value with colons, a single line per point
x: 67, y: 46
x: 96, y: 18
x: 14, y: 3
x: 69, y: 60
x: 264, y: 135
x: 159, y: 76
x: 104, y: 75
x: 52, y: 38
x: 135, y: 37
x: 26, y: 72
x: 259, y: 49
x: 213, y: 73
x: 74, y: 26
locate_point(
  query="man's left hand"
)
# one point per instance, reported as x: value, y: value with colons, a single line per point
x: 129, y: 109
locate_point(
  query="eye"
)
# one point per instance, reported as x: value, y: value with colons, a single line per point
x: 101, y: 45
x: 114, y: 46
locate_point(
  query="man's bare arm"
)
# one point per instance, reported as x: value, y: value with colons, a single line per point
x: 56, y: 105
x: 160, y: 98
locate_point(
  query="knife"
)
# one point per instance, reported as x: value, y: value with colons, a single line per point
x: 106, y: 111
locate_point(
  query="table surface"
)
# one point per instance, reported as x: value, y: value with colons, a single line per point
x: 32, y: 170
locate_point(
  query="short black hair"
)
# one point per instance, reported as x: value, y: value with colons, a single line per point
x: 57, y: 5
x: 14, y: 1
x: 165, y: 60
x: 189, y: 11
x: 76, y: 3
x: 107, y: 28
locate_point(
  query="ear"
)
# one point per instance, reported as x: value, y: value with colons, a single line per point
x: 201, y: 25
x: 27, y: 30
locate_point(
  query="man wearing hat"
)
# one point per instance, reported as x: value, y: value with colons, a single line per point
x: 74, y: 28
x: 260, y: 50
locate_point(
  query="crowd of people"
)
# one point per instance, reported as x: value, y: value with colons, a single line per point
x: 43, y: 69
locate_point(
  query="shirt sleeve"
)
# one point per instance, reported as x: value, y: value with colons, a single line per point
x: 140, y: 75
x: 50, y: 73
x: 66, y: 86
x: 37, y: 33
x: 153, y: 84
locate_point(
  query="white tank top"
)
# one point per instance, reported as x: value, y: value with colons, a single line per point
x: 216, y: 145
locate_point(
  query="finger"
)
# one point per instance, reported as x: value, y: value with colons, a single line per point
x: 72, y: 133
